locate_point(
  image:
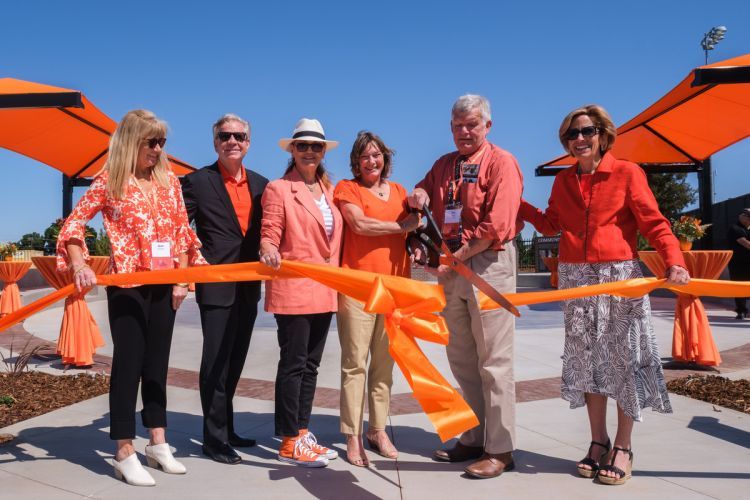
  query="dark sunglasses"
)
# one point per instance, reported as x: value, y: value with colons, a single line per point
x: 572, y: 133
x: 161, y: 141
x: 238, y: 136
x: 301, y: 147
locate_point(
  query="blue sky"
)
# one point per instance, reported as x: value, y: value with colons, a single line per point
x: 391, y: 67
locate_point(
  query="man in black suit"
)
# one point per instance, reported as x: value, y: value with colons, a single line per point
x: 223, y: 200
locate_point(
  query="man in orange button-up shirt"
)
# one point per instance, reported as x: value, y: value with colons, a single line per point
x: 474, y: 194
x: 224, y: 201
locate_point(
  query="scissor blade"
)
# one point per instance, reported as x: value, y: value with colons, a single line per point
x: 478, y: 282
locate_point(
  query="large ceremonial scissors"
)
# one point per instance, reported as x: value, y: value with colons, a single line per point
x: 429, y: 240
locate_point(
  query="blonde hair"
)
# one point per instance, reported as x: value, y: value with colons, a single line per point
x: 124, y: 145
x: 601, y: 120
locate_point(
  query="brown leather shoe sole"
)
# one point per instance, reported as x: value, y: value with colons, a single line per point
x: 479, y: 475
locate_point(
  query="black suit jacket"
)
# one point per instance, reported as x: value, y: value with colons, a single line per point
x: 209, y: 206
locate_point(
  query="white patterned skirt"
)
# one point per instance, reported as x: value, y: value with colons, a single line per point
x: 610, y: 348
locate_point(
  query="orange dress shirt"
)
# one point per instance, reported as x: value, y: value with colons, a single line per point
x: 603, y: 228
x: 490, y: 205
x: 385, y: 254
x: 239, y: 194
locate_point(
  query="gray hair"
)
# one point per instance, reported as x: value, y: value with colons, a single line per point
x: 230, y: 117
x: 470, y: 102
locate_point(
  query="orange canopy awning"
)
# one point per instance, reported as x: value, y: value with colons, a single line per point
x: 58, y: 127
x: 688, y: 124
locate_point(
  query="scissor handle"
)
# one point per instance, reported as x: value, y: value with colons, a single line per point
x: 426, y: 238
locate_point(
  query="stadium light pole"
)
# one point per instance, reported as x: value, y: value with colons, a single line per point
x: 712, y: 38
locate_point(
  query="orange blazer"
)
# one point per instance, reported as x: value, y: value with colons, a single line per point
x: 621, y: 204
x: 294, y: 224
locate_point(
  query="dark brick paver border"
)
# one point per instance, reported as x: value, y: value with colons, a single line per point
x: 17, y: 337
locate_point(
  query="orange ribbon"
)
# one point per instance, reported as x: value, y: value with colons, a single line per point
x: 409, y: 307
x: 691, y: 340
x: 626, y: 288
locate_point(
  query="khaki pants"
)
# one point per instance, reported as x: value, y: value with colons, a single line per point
x: 480, y: 350
x: 362, y: 335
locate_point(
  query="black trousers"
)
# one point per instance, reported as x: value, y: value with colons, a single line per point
x: 739, y: 271
x: 302, y: 338
x: 141, y: 320
x: 226, y: 338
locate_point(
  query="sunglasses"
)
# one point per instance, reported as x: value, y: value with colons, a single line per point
x: 301, y: 147
x: 238, y: 136
x: 572, y: 133
x: 161, y: 141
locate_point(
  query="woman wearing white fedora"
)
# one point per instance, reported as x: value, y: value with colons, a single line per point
x: 300, y: 222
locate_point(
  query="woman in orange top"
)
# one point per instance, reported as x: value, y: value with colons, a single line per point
x: 375, y: 211
x: 597, y: 205
x: 300, y: 222
x: 144, y: 215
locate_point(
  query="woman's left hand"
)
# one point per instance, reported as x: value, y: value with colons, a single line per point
x: 178, y: 295
x: 678, y: 275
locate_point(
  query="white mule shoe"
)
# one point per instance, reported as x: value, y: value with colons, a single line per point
x: 132, y: 471
x: 160, y: 455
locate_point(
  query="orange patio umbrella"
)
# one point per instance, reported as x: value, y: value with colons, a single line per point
x: 58, y: 127
x: 706, y: 112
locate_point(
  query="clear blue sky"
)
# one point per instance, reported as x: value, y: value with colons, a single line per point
x: 391, y: 67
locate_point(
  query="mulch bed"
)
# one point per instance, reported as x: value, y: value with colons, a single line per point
x: 36, y: 393
x: 720, y: 391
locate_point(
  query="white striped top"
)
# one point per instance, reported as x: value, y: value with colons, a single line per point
x: 327, y: 215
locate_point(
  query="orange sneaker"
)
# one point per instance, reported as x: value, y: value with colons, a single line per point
x: 302, y: 455
x: 311, y: 442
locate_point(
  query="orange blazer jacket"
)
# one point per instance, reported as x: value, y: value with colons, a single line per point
x: 620, y: 204
x: 294, y: 224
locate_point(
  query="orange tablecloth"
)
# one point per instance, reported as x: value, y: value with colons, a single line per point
x: 691, y: 338
x: 79, y: 333
x: 551, y: 263
x: 10, y: 272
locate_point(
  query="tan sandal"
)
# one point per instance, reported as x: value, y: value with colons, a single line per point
x: 359, y: 460
x: 622, y: 475
x: 390, y: 452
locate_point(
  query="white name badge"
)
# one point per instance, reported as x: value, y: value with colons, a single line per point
x: 161, y: 255
x: 452, y: 216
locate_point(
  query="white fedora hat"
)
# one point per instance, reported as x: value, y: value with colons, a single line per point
x: 308, y: 130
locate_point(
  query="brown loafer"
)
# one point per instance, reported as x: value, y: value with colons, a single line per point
x: 459, y: 453
x: 491, y: 465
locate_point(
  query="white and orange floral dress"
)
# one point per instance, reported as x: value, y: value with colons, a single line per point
x: 132, y: 223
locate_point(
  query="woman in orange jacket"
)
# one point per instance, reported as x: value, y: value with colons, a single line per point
x: 300, y: 222
x: 597, y: 206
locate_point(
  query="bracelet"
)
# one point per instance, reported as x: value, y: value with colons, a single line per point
x: 80, y: 268
x: 182, y: 285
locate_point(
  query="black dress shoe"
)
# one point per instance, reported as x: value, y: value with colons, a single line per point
x: 741, y: 316
x: 241, y: 442
x: 222, y: 453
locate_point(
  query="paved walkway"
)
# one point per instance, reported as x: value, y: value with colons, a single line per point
x: 697, y: 452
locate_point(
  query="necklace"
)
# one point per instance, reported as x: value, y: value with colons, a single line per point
x: 311, y: 187
x: 380, y: 191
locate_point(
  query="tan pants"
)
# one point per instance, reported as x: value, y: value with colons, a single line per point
x: 480, y: 350
x: 362, y: 335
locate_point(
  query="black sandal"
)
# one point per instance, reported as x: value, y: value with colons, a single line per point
x: 594, y: 464
x: 622, y: 476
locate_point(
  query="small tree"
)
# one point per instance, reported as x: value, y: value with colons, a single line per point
x: 673, y: 194
x: 101, y: 245
x: 33, y: 241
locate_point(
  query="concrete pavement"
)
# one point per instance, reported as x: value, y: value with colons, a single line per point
x: 697, y: 452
